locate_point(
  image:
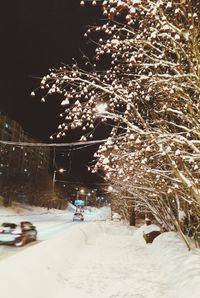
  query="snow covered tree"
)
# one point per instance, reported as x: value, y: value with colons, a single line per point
x: 144, y: 81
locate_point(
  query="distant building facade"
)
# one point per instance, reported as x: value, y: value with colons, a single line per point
x: 20, y: 161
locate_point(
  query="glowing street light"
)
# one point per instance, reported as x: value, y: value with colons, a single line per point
x: 110, y: 188
x: 82, y: 191
x: 101, y: 108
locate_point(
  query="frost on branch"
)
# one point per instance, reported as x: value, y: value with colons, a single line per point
x: 150, y: 88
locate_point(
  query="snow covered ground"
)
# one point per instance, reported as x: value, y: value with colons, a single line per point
x: 101, y: 259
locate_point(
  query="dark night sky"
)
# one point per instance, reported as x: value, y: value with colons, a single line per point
x: 35, y: 36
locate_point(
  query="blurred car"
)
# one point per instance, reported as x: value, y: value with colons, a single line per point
x: 18, y: 235
x: 78, y: 216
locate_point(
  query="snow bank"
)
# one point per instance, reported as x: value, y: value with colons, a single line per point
x: 71, y: 207
x: 180, y: 268
x: 92, y: 213
x: 138, y: 234
x: 116, y: 217
x: 45, y: 263
x: 24, y: 209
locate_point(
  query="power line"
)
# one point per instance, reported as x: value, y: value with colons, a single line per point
x: 23, y: 144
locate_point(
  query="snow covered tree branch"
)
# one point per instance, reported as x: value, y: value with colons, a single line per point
x: 149, y: 87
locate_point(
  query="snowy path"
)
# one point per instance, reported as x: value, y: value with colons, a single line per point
x: 114, y: 265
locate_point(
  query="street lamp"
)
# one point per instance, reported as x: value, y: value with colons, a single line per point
x: 101, y: 107
x: 82, y: 191
x: 110, y: 188
x: 54, y: 176
x: 86, y: 198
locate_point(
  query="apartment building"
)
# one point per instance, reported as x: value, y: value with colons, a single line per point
x: 16, y: 160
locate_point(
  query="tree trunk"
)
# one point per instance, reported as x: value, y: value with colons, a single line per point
x: 132, y: 217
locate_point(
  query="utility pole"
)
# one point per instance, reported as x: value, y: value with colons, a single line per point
x: 54, y: 179
x: 54, y: 176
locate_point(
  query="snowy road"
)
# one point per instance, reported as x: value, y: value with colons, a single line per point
x: 43, y: 234
x: 49, y: 223
x: 48, y: 226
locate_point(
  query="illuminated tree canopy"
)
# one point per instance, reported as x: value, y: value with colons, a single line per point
x: 149, y: 88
